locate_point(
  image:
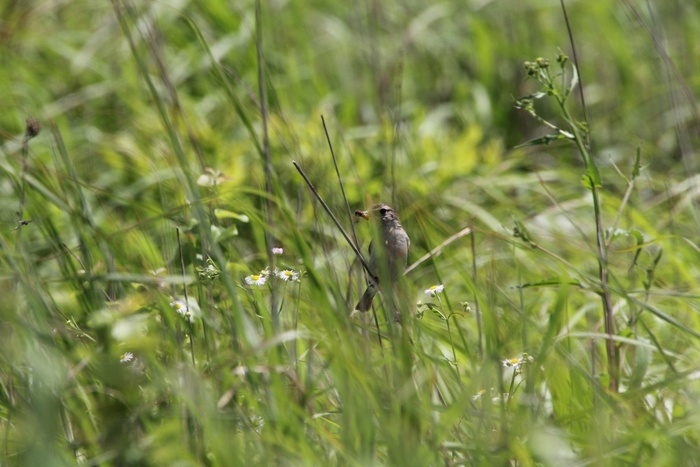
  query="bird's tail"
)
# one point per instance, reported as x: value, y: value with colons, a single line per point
x: 365, y: 302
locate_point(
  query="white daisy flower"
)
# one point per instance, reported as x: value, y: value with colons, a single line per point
x: 518, y: 362
x: 189, y: 312
x: 126, y: 357
x: 288, y: 275
x: 256, y: 279
x: 434, y: 290
x: 180, y: 306
x: 277, y: 251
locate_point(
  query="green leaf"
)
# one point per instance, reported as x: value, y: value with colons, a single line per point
x: 651, y: 270
x: 591, y: 179
x: 553, y: 281
x: 574, y: 79
x: 642, y: 360
x: 595, y: 174
x: 543, y: 140
x: 220, y: 234
x: 587, y: 181
x: 566, y: 134
x: 640, y: 241
x: 612, y: 235
x: 520, y: 231
x: 637, y: 164
x: 224, y: 214
x: 556, y: 319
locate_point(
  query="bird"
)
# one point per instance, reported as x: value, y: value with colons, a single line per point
x: 395, y: 252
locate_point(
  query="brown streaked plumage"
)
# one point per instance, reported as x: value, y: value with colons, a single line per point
x: 396, y: 244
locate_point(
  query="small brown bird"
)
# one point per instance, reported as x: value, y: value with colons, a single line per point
x: 396, y: 243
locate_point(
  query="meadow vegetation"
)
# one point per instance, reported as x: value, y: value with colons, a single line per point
x: 147, y: 172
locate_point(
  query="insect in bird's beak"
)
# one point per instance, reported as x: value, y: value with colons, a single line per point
x: 363, y: 214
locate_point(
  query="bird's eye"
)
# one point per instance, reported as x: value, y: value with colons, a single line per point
x: 382, y: 211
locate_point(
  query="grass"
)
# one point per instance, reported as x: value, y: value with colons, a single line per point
x: 135, y: 219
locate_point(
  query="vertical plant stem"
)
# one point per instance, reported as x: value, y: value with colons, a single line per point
x: 190, y: 421
x: 397, y: 131
x: 476, y: 299
x: 600, y: 237
x: 607, y: 302
x: 269, y: 237
x: 188, y: 315
x: 608, y: 318
x: 294, y: 357
x: 452, y: 342
x: 575, y: 55
x: 32, y: 129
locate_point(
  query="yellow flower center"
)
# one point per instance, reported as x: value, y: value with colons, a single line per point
x: 256, y: 277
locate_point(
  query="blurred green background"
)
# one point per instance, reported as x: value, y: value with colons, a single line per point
x: 149, y: 173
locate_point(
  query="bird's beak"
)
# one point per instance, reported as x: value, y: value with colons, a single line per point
x: 363, y: 214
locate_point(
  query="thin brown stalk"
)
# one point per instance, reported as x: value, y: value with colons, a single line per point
x: 332, y: 216
x: 340, y: 181
x: 349, y: 212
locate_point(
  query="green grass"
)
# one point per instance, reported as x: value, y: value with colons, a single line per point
x: 147, y: 185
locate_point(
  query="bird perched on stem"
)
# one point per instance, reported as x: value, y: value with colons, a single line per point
x: 388, y: 261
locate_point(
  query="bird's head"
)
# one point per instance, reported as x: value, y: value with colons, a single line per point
x: 380, y: 211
